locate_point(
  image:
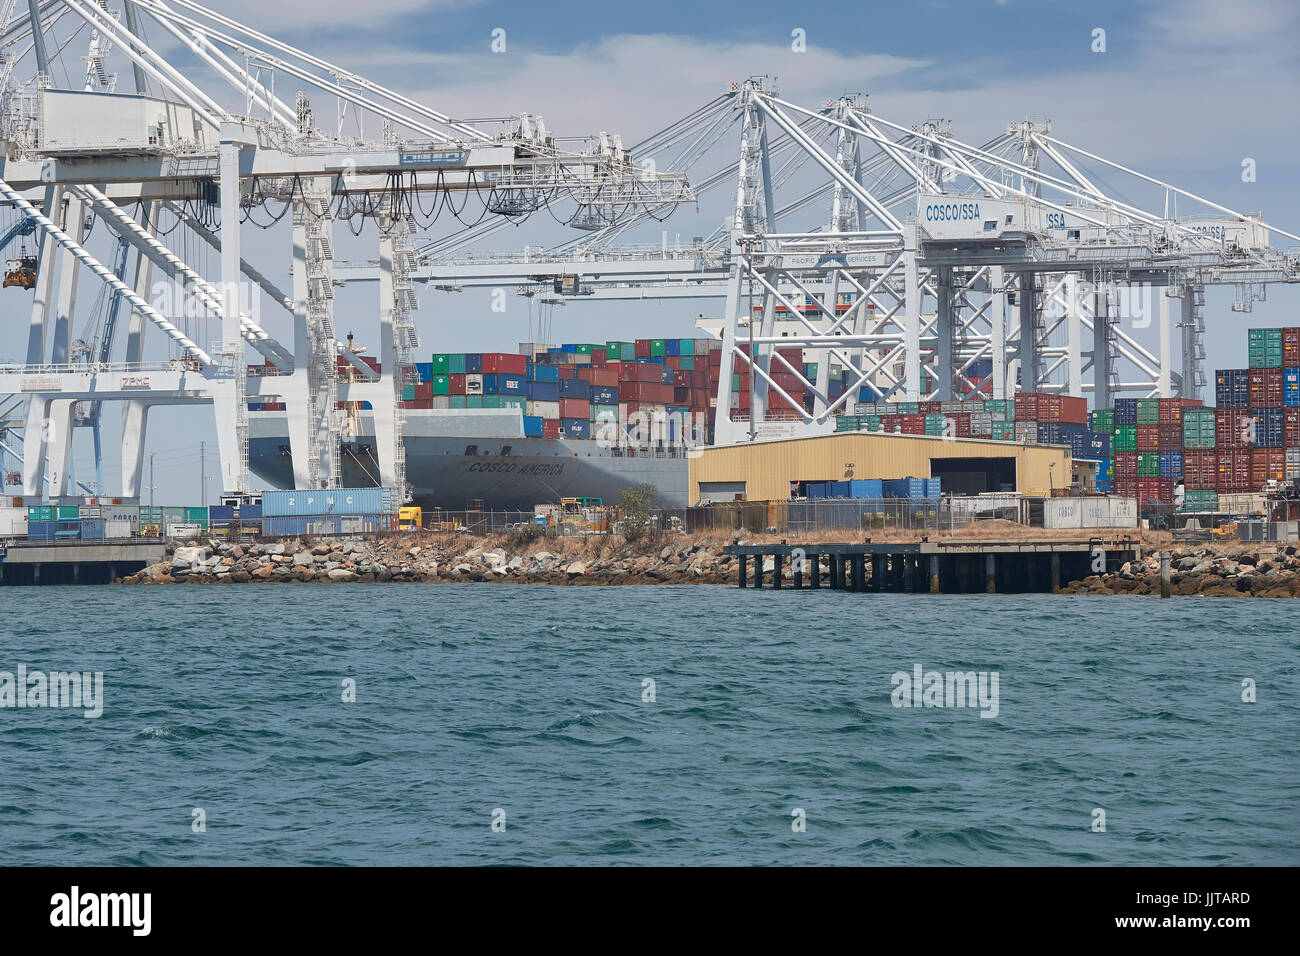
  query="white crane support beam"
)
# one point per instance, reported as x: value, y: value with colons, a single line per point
x: 113, y: 282
x: 176, y: 268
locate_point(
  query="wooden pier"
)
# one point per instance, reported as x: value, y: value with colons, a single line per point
x: 942, y: 567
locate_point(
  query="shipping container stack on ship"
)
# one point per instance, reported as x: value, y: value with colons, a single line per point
x: 666, y: 387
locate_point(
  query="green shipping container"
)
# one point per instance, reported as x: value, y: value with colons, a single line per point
x: 1003, y: 431
x: 441, y: 385
x: 457, y: 401
x: 1126, y: 438
x: 196, y: 516
x: 1148, y: 464
x: 40, y: 513
x: 1103, y: 421
x: 658, y: 347
x: 584, y: 348
x: 872, y: 423
x: 408, y: 393
x: 503, y: 401
x: 151, y: 513
x: 1197, y: 499
x: 1198, y: 428
x: 441, y: 363
x: 473, y: 401
x: 847, y: 423
x: 687, y: 362
x: 685, y: 346
x: 456, y: 363
x: 65, y: 512
x: 1264, y: 348
x: 908, y: 408
x: 1148, y: 410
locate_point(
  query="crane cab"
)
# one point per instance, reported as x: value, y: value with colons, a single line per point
x: 21, y: 273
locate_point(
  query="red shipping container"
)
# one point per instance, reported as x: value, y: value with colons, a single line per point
x: 682, y: 378
x: 641, y: 348
x: 418, y: 403
x: 1231, y: 426
x: 455, y: 384
x: 1126, y: 464
x: 1073, y: 410
x: 1234, y: 470
x: 1026, y: 406
x: 1201, y: 469
x: 1291, y: 347
x: 604, y: 377
x: 715, y: 358
x: 672, y: 361
x: 599, y: 358
x: 1171, y: 434
x: 575, y: 408
x: 930, y: 408
x: 423, y: 390
x: 1266, y: 464
x: 550, y: 428
x: 1126, y: 487
x: 584, y: 372
x: 1171, y: 411
x: 961, y: 425
x: 1148, y: 437
x: 504, y: 363
x: 1150, y: 490
x: 1266, y: 388
x: 913, y: 424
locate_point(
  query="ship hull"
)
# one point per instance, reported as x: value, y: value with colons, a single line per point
x: 480, y: 455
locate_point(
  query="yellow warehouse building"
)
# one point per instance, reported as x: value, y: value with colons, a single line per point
x: 775, y: 470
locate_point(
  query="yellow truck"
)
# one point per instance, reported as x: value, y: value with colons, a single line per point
x: 408, y: 519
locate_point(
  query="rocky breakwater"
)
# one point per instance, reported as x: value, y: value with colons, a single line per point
x: 431, y: 558
x: 1241, y: 572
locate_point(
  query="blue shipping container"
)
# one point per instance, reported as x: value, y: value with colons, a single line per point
x: 247, y: 512
x: 1049, y: 433
x: 545, y: 373
x: 1126, y: 411
x: 327, y: 501
x: 1269, y: 427
x: 604, y: 395
x: 473, y: 363
x: 220, y: 512
x: 503, y: 384
x: 817, y: 489
x: 1171, y: 464
x: 574, y: 388
x: 533, y: 426
x: 866, y: 488
x: 92, y: 529
x: 904, y: 488
x: 424, y: 370
x: 575, y: 427
x: 1291, y: 387
x: 544, y: 391
x: 1232, y: 388
x: 933, y: 487
x: 40, y: 530
x: 838, y: 489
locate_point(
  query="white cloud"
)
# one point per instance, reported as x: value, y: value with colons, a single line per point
x: 284, y: 17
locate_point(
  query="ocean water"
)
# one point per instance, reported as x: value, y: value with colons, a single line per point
x: 527, y: 702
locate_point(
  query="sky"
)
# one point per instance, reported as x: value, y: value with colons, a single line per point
x: 1184, y: 91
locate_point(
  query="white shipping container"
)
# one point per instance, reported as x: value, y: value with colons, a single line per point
x: 474, y: 384
x: 1062, y: 513
x: 543, y: 409
x: 1094, y: 512
x: 1292, y: 463
x: 1123, y: 512
x: 183, y: 531
x: 13, y: 522
x: 127, y: 513
x: 115, y: 528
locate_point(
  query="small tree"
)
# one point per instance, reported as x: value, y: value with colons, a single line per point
x: 637, y: 521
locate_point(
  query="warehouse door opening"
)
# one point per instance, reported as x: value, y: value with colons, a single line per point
x: 974, y: 476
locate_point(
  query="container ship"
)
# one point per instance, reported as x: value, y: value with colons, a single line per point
x: 507, y: 431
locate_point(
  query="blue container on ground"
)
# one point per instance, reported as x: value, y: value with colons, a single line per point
x: 40, y: 530
x: 544, y: 391
x: 533, y: 426
x: 325, y: 501
x: 575, y: 427
x: 838, y: 489
x: 220, y: 512
x: 247, y: 512
x: 817, y: 489
x: 933, y: 487
x: 866, y: 488
x: 68, y: 529
x: 903, y: 488
x: 92, y: 529
x: 575, y: 388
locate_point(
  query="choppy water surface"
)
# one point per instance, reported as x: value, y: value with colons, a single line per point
x: 529, y: 699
